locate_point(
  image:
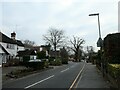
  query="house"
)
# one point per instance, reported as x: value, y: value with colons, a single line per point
x: 27, y: 55
x: 54, y: 53
x: 46, y: 48
x: 36, y: 48
x: 3, y: 54
x: 20, y: 45
x: 9, y: 47
x: 28, y: 47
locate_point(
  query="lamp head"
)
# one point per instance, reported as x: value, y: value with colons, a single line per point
x: 94, y: 14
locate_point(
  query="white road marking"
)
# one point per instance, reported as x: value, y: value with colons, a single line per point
x: 77, y: 77
x: 64, y: 70
x: 39, y: 82
x: 79, y: 81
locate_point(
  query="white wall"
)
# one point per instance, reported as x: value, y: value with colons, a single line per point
x: 0, y: 59
x: 20, y: 48
x: 13, y: 52
x: 1, y: 51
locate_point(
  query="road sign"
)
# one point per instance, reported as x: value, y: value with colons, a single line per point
x: 99, y: 42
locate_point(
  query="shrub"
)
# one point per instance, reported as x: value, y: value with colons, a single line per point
x: 34, y: 65
x: 14, y: 62
x: 56, y: 62
x: 64, y: 55
x: 41, y: 55
x: 51, y: 59
x: 114, y: 70
x: 18, y: 73
x: 114, y: 60
x: 46, y: 64
x: 26, y: 58
x: 64, y: 61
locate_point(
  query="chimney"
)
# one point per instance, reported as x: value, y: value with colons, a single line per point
x: 13, y: 35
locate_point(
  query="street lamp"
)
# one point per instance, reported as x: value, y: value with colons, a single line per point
x: 97, y: 14
x: 99, y: 42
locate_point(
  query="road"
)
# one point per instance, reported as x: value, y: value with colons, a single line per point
x: 59, y: 77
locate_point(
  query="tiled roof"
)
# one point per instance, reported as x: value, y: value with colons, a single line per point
x: 26, y: 52
x: 6, y: 39
x: 19, y: 43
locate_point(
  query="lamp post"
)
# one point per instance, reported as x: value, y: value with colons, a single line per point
x: 99, y: 42
x: 97, y: 14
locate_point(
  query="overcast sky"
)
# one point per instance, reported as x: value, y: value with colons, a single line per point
x: 31, y: 19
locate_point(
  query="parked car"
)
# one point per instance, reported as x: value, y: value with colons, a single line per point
x: 35, y: 60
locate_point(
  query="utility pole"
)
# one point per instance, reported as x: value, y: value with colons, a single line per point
x: 99, y: 42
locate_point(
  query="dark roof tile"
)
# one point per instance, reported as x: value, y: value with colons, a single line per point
x: 26, y: 52
x: 6, y: 39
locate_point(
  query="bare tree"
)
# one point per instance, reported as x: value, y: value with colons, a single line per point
x: 55, y: 37
x: 90, y: 49
x: 77, y: 47
x: 28, y: 42
x: 90, y: 52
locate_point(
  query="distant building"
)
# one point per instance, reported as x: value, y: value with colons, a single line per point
x: 27, y: 55
x: 37, y: 48
x: 28, y: 47
x: 54, y: 54
x: 9, y: 47
x: 46, y: 48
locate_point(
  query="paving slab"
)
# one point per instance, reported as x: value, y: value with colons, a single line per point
x: 92, y: 78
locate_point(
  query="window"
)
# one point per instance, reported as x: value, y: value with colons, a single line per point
x: 10, y: 46
x: 31, y: 57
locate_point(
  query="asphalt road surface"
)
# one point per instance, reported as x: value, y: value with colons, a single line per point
x: 59, y: 77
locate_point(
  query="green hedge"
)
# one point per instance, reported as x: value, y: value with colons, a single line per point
x: 51, y: 59
x: 56, y: 62
x: 64, y: 60
x: 46, y: 65
x: 41, y: 55
x: 114, y: 70
x: 34, y: 65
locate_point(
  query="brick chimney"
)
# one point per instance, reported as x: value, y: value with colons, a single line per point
x: 13, y: 35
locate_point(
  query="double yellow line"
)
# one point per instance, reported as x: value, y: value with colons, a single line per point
x: 73, y: 86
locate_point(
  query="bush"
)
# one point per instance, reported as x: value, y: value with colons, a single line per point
x: 41, y: 55
x: 14, y: 62
x: 114, y: 60
x: 46, y: 64
x: 51, y: 59
x: 64, y: 55
x: 64, y: 61
x: 18, y: 73
x: 34, y: 65
x: 114, y: 70
x: 26, y: 58
x: 56, y: 62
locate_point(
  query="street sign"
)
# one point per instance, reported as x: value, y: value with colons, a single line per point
x: 99, y: 42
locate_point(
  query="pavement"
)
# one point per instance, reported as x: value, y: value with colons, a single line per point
x: 92, y: 78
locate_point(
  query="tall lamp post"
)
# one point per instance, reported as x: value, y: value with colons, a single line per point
x: 99, y: 42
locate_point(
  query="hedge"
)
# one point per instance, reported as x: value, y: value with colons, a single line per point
x: 34, y: 65
x: 56, y: 62
x: 114, y: 70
